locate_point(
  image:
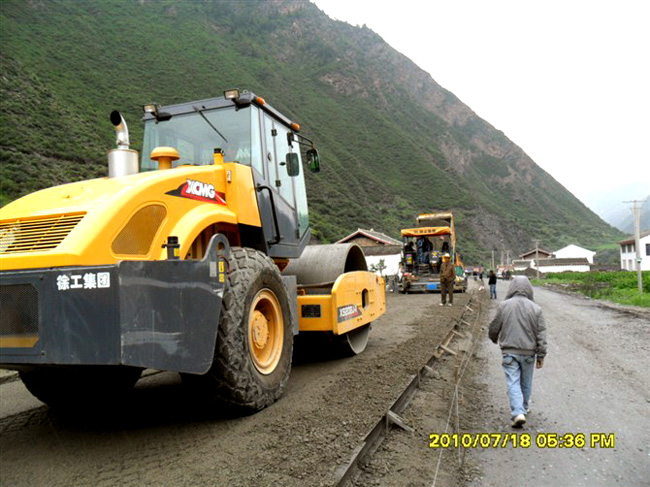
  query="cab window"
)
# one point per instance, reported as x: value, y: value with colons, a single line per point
x: 196, y: 137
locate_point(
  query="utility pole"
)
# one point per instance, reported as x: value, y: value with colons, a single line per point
x: 637, y: 236
x: 536, y: 241
x: 492, y: 260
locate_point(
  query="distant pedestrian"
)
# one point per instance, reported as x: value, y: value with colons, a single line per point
x: 520, y: 330
x: 447, y: 278
x: 492, y: 282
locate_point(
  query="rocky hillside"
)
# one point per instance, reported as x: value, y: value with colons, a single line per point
x: 393, y: 142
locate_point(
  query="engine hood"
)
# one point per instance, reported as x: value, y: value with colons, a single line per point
x: 80, y: 223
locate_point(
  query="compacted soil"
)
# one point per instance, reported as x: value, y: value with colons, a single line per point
x: 595, y: 379
x: 159, y: 437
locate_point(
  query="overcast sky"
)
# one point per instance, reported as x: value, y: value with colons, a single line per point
x: 568, y: 81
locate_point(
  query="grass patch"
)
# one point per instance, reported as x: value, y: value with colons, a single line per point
x: 618, y: 286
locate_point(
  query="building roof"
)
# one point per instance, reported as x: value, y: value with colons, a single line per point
x: 521, y: 264
x: 373, y: 250
x: 630, y: 240
x: 533, y: 252
x: 573, y: 246
x: 379, y: 237
x: 569, y: 261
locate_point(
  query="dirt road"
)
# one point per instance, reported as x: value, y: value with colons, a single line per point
x: 596, y: 379
x: 159, y: 438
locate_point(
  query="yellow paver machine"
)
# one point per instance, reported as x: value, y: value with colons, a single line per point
x: 194, y: 259
x: 422, y: 254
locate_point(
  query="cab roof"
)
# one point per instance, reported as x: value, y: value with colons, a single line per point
x: 245, y: 99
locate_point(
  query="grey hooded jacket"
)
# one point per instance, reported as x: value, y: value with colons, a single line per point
x: 519, y: 325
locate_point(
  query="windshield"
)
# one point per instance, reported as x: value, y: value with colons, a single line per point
x: 195, y: 139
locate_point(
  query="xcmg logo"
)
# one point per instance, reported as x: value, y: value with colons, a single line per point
x: 198, y: 190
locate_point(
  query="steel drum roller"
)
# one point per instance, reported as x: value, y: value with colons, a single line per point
x: 323, y: 264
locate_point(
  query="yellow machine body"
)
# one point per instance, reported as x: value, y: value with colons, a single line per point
x: 357, y: 298
x: 103, y: 221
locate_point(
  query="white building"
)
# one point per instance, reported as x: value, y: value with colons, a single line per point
x: 628, y: 252
x: 390, y: 256
x: 574, y: 252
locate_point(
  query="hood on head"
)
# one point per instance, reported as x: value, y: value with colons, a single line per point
x: 520, y: 285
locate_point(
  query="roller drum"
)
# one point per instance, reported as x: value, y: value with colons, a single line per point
x: 325, y: 263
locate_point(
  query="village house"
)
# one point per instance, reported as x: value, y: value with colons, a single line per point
x: 575, y: 252
x: 523, y: 265
x: 628, y: 252
x: 570, y: 258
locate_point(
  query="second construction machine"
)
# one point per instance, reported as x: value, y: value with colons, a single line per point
x: 424, y: 247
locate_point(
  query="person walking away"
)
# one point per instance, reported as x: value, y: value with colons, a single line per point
x: 492, y: 282
x: 520, y: 330
x: 447, y: 278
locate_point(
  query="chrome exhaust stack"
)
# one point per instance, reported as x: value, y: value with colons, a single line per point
x: 121, y: 161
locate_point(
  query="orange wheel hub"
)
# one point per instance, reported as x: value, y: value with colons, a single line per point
x: 265, y: 331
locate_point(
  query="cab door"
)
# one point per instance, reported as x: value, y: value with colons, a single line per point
x: 276, y: 193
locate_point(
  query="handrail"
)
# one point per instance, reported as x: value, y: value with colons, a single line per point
x: 277, y: 237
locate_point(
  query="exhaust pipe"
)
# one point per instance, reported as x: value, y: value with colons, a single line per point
x: 121, y: 130
x: 121, y: 161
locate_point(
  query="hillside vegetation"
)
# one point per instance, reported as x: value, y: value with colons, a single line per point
x: 393, y: 142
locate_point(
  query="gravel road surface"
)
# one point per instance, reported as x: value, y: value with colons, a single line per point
x: 596, y: 379
x: 159, y: 438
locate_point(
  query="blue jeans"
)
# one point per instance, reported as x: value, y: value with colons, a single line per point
x: 493, y: 291
x: 519, y: 379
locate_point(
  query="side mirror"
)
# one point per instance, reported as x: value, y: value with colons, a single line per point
x: 293, y: 164
x: 313, y: 159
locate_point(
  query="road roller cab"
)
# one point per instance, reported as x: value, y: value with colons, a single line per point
x: 193, y: 258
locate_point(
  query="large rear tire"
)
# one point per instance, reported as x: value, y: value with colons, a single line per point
x: 79, y: 386
x: 255, y: 340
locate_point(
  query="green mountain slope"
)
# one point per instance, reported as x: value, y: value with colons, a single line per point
x: 393, y: 142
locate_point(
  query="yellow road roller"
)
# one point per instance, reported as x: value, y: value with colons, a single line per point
x: 193, y: 258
